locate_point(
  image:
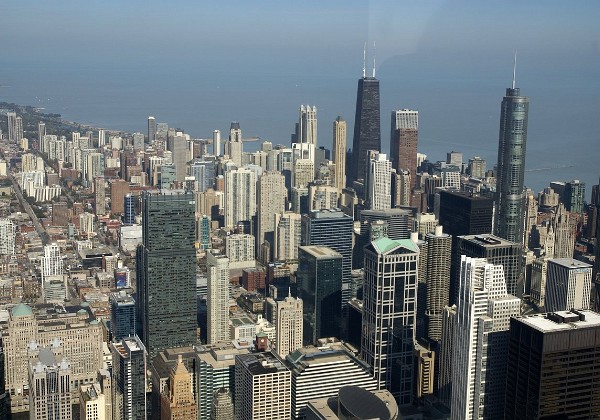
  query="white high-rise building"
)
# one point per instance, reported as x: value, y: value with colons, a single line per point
x: 51, y: 263
x: 304, y: 172
x: 151, y: 130
x: 389, y: 314
x: 240, y: 250
x: 217, y: 301
x: 7, y: 237
x: 287, y: 238
x: 480, y: 350
x: 379, y: 180
x: 339, y: 152
x: 11, y: 119
x: 92, y: 402
x: 271, y: 201
x: 307, y: 125
x: 217, y: 143
x: 289, y: 326
x: 263, y: 387
x: 235, y: 146
x: 568, y: 285
x: 240, y: 196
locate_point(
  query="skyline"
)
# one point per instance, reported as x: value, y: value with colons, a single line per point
x: 200, y: 69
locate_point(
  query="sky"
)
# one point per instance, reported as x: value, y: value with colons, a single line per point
x: 199, y: 65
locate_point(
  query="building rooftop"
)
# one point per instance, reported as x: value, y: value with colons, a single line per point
x: 321, y: 251
x: 21, y: 310
x: 562, y: 320
x: 262, y: 363
x: 384, y: 245
x: 488, y: 240
x: 569, y: 263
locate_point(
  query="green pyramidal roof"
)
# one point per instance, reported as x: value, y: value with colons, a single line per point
x: 385, y: 245
x: 21, y: 310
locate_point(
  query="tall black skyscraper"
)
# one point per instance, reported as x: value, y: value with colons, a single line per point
x: 166, y: 266
x: 510, y: 199
x: 367, y: 128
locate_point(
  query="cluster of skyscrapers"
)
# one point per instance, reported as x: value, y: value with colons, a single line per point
x: 290, y: 281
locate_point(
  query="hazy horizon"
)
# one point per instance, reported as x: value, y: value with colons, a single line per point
x: 114, y: 63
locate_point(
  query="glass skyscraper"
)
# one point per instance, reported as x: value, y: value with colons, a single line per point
x: 166, y: 265
x: 510, y: 198
x: 367, y: 126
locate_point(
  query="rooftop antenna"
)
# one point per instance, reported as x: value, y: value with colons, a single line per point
x: 364, y: 60
x: 514, y: 70
x: 374, y: 59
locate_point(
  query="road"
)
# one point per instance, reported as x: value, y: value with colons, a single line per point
x: 36, y: 222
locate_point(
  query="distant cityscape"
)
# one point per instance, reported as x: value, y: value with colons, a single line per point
x: 159, y: 276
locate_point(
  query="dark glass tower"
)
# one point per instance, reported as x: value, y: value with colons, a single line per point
x: 166, y: 264
x: 122, y: 315
x: 510, y: 199
x: 367, y: 128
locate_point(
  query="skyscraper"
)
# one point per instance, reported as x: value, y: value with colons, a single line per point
x: 166, y: 264
x: 271, y: 200
x: 551, y: 370
x: 510, y: 197
x: 367, y: 125
x: 151, y: 129
x: 319, y: 279
x: 235, y: 145
x: 333, y: 229
x: 378, y: 184
x: 481, y: 340
x: 463, y: 213
x: 568, y: 285
x: 178, y: 403
x: 307, y: 125
x: 11, y: 121
x: 404, y: 139
x: 122, y: 315
x: 216, y: 143
x: 240, y: 196
x: 7, y: 237
x: 129, y: 364
x: 339, y: 152
x: 389, y: 314
x: 218, y: 297
x: 289, y: 325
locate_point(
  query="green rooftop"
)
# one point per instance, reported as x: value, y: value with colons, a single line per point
x: 385, y: 245
x: 21, y: 310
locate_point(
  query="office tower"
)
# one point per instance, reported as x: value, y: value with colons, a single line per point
x: 476, y: 167
x: 239, y: 248
x: 119, y: 188
x: 378, y: 182
x: 222, y: 405
x: 574, y: 196
x: 122, y: 315
x: 319, y: 278
x: 215, y: 370
x: 551, y: 366
x: 401, y: 191
x: 390, y: 265
x: 50, y: 382
x: 287, y: 237
x: 166, y: 264
x: 444, y: 385
x: 425, y: 223
x: 320, y: 372
x: 289, y: 326
x: 11, y: 122
x: 263, y: 387
x: 203, y: 227
x: 404, y: 139
x: 178, y: 402
x: 463, y: 213
x: 129, y: 366
x: 51, y: 264
x: 272, y: 196
x: 531, y: 214
x: 151, y: 129
x: 92, y: 402
x: 304, y: 172
x: 7, y: 237
x: 99, y: 196
x: 339, y: 152
x: 203, y: 172
x: 510, y: 200
x: 177, y: 145
x: 81, y: 339
x: 483, y: 312
x: 333, y: 229
x: 41, y: 132
x: 321, y: 196
x: 307, y: 125
x: 455, y: 159
x: 18, y: 129
x: 138, y: 142
x: 129, y: 209
x: 568, y: 285
x: 217, y: 300
x: 367, y: 125
x: 240, y: 196
x: 234, y: 147
x: 216, y: 142
x: 539, y: 278
x: 437, y: 278
x: 497, y: 251
x: 564, y: 233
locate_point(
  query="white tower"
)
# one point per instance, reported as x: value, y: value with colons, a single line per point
x: 218, y: 297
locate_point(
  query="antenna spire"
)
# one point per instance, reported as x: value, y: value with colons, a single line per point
x: 374, y: 59
x: 364, y: 60
x: 514, y: 70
